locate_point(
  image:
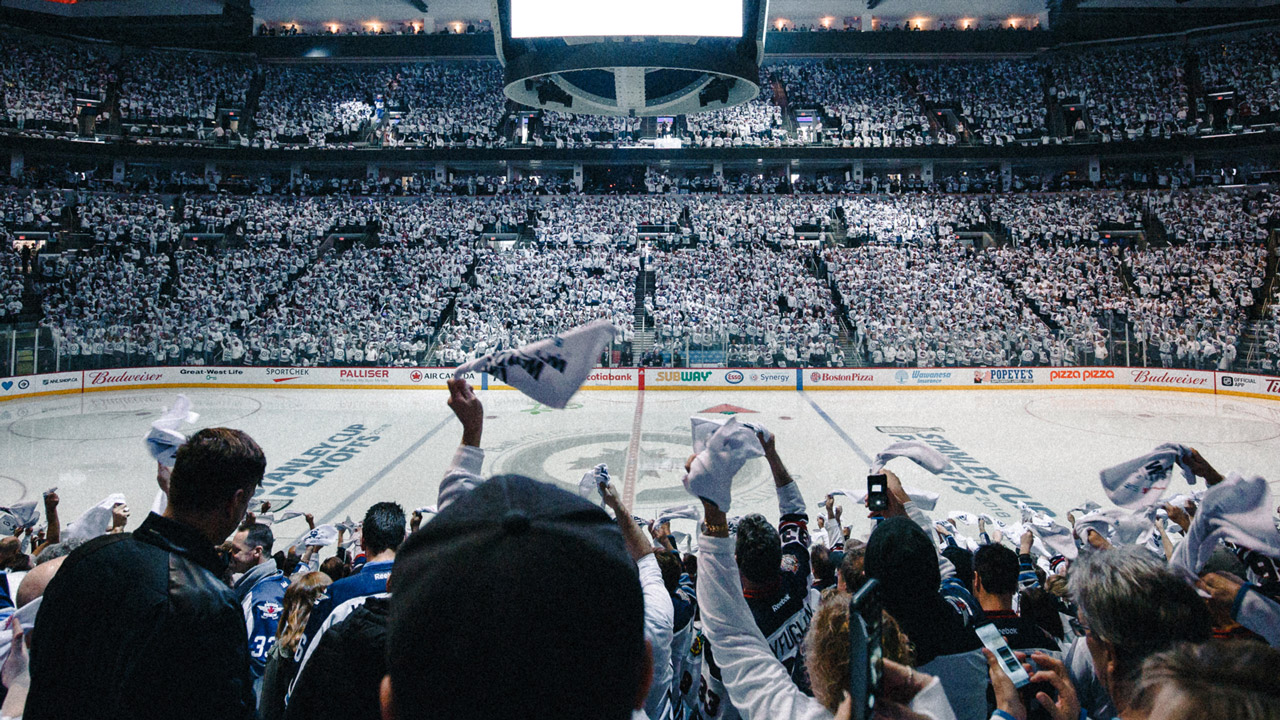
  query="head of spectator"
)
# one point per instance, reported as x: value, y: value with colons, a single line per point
x: 995, y: 576
x: 962, y: 560
x: 1131, y: 606
x: 58, y: 549
x: 383, y: 531
x: 565, y: 636
x: 824, y: 573
x: 827, y: 649
x: 34, y: 582
x: 690, y: 564
x: 213, y: 481
x: 905, y: 561
x: 1040, y: 607
x: 671, y: 569
x: 851, y: 573
x: 334, y: 567
x: 1232, y: 680
x: 758, y: 549
x: 250, y: 547
x: 299, y: 598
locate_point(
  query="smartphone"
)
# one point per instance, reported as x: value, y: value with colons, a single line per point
x: 877, y: 493
x: 866, y: 657
x: 991, y: 638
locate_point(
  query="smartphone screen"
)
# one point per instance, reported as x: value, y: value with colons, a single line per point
x: 991, y: 638
x: 865, y: 651
x: 877, y: 492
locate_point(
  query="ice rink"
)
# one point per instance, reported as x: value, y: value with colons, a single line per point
x: 333, y: 453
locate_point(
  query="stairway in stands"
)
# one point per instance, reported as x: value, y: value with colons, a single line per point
x: 256, y: 85
x: 1249, y: 348
x: 646, y: 281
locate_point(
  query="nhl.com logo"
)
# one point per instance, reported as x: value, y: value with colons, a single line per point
x: 733, y: 377
x: 416, y: 376
x: 901, y: 376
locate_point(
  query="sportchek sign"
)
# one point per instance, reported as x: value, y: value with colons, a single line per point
x: 717, y: 379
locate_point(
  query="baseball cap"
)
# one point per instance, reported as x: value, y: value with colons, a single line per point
x: 517, y: 600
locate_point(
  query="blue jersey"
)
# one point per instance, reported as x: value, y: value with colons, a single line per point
x: 262, y: 599
x: 371, y: 580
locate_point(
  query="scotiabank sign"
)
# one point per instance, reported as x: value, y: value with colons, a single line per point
x: 613, y: 378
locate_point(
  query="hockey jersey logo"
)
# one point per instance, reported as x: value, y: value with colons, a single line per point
x: 270, y: 610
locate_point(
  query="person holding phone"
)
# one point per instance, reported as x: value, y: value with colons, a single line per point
x: 758, y: 684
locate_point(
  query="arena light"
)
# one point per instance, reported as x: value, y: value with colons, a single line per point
x: 966, y: 23
x: 583, y: 18
x: 826, y: 22
x: 781, y: 23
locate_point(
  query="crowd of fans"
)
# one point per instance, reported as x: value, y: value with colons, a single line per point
x: 1164, y: 608
x: 208, y: 279
x: 1104, y: 95
x: 522, y: 296
x: 765, y: 305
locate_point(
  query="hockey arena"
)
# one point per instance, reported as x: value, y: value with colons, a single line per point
x: 661, y: 360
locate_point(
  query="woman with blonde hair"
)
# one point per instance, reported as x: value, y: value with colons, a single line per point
x: 281, y: 668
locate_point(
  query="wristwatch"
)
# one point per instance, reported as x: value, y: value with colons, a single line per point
x: 713, y: 530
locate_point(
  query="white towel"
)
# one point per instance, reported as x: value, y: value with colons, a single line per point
x: 25, y: 512
x: 95, y: 521
x: 704, y: 428
x: 1237, y: 510
x: 165, y: 436
x: 1117, y: 525
x: 593, y: 483
x: 720, y: 457
x: 321, y: 536
x: 682, y: 512
x: 1142, y: 481
x: 923, y: 455
x: 551, y: 370
x: 962, y: 517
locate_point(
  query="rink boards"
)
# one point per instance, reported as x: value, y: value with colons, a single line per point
x: 795, y: 379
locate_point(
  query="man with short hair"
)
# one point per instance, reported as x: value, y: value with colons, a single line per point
x: 260, y: 590
x: 995, y: 582
x: 380, y: 535
x: 774, y: 564
x: 141, y: 625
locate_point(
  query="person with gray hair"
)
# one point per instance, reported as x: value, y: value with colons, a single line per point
x: 1130, y: 607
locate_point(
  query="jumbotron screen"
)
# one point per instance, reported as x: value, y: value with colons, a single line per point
x: 579, y: 18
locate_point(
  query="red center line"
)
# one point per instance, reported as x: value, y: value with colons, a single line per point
x: 633, y: 454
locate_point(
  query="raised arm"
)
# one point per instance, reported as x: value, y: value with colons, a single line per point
x: 464, y: 473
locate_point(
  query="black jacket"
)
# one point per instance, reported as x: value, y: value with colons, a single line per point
x: 343, y: 677
x: 141, y: 626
